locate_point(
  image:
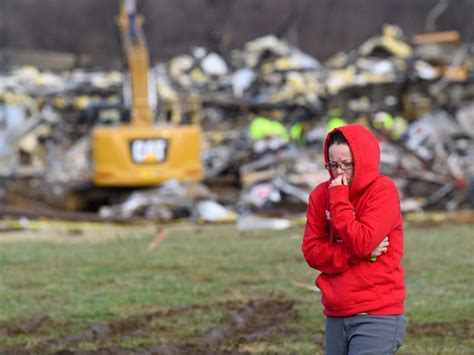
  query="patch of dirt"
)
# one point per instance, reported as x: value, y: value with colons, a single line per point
x: 257, y: 320
x: 22, y: 326
x: 463, y: 329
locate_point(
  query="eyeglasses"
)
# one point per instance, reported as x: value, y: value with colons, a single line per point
x: 343, y: 166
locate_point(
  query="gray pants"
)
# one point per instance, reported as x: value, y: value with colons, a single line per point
x: 364, y: 334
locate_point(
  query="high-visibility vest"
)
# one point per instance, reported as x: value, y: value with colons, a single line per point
x: 262, y: 127
x: 335, y: 122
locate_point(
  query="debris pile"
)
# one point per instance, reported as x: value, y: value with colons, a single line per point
x: 265, y: 110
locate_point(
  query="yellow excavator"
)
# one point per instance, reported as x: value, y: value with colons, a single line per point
x: 143, y: 152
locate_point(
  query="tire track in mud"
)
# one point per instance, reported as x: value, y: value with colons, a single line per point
x: 256, y: 320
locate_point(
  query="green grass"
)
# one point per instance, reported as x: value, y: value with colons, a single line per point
x: 86, y: 282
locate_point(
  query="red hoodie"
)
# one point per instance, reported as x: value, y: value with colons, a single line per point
x: 345, y: 224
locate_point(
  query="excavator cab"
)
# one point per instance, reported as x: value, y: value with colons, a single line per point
x: 142, y: 152
x: 130, y: 156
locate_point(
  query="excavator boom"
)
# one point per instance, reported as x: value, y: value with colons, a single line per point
x: 135, y: 52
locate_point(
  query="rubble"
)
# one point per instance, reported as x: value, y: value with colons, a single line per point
x: 417, y: 96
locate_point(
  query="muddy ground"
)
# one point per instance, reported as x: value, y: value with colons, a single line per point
x: 257, y: 320
x: 244, y: 323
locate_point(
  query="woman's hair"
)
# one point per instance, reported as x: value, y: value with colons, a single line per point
x: 337, y: 138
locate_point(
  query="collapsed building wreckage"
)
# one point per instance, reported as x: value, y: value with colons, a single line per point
x: 417, y: 96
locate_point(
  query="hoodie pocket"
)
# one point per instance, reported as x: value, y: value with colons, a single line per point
x: 345, y: 289
x: 359, y: 272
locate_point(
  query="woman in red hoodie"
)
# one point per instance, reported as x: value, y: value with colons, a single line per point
x: 354, y: 236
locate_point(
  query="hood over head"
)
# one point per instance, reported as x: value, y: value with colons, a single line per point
x: 365, y: 151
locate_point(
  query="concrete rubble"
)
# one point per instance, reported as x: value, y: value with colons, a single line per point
x: 416, y: 94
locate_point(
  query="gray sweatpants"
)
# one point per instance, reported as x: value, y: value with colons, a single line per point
x: 364, y: 334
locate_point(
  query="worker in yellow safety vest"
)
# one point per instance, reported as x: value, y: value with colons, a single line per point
x: 262, y: 127
x: 394, y: 127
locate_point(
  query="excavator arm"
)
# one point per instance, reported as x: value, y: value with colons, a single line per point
x: 138, y: 93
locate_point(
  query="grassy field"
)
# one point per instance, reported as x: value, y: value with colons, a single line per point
x: 209, y: 289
